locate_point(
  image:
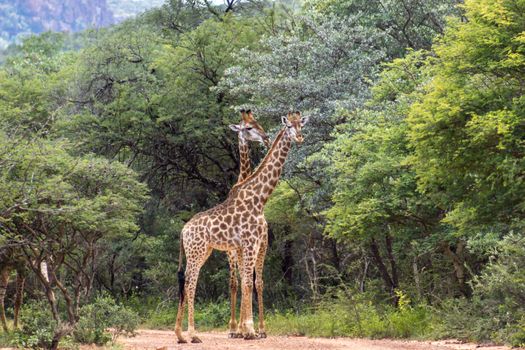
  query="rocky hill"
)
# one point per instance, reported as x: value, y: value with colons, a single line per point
x: 24, y: 17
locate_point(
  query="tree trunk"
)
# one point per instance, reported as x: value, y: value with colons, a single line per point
x: 335, y: 254
x: 392, y: 260
x: 458, y: 261
x: 288, y: 262
x: 417, y: 282
x: 390, y: 286
x: 362, y: 285
x: 4, y: 281
x: 20, y: 283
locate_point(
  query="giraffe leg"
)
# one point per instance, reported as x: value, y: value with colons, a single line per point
x: 247, y: 293
x: 4, y: 280
x: 259, y: 265
x: 178, y: 323
x: 241, y: 311
x: 20, y: 283
x: 193, y: 276
x: 195, y: 258
x: 193, y: 267
x: 232, y: 260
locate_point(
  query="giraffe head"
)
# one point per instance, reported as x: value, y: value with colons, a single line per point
x: 249, y: 129
x: 294, y: 123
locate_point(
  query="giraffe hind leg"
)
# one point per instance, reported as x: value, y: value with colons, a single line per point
x: 178, y: 324
x: 195, y: 259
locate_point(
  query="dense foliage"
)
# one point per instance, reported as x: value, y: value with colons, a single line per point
x: 403, y: 210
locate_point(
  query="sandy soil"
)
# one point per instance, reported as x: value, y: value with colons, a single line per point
x: 165, y: 340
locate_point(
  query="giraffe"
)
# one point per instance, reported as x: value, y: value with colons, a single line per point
x: 249, y: 129
x: 9, y: 261
x: 235, y: 224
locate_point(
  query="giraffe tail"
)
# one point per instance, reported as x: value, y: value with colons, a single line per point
x: 180, y: 272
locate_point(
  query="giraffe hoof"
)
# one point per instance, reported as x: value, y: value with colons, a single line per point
x: 232, y: 335
x: 182, y: 341
x: 262, y: 335
x: 196, y: 340
x: 250, y: 336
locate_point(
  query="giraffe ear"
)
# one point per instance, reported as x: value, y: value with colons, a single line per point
x: 285, y: 121
x: 236, y: 128
x: 304, y: 120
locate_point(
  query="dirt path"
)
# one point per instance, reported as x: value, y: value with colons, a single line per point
x: 165, y: 340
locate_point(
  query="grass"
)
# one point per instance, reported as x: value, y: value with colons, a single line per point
x: 353, y: 321
x: 207, y: 316
x: 340, y: 318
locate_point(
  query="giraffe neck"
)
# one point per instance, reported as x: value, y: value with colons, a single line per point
x: 244, y: 155
x: 258, y: 187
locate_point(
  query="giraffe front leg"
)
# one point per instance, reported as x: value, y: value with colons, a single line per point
x: 4, y: 280
x: 247, y: 292
x: 259, y: 285
x: 232, y: 260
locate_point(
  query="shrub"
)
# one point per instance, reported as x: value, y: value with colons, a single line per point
x: 38, y: 326
x: 496, y: 311
x: 103, y: 321
x: 353, y: 317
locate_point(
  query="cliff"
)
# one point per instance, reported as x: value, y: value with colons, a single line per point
x: 23, y: 17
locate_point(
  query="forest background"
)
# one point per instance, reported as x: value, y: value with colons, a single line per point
x: 402, y: 215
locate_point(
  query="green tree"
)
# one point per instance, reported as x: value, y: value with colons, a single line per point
x: 57, y: 209
x: 467, y: 131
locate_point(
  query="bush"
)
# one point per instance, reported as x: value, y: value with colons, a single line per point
x: 9, y: 339
x: 353, y: 317
x: 38, y: 326
x: 103, y: 321
x: 496, y: 311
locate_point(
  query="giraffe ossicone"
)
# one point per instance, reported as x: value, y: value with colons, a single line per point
x: 236, y: 224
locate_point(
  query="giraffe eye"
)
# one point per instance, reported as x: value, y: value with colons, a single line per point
x: 249, y: 128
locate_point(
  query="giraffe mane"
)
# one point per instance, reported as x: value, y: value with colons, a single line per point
x: 263, y: 162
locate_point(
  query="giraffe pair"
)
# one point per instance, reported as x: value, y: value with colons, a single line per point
x: 236, y: 225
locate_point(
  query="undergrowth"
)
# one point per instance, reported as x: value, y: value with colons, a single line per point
x: 353, y: 318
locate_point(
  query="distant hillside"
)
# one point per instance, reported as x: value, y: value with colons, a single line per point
x: 123, y: 9
x: 24, y: 17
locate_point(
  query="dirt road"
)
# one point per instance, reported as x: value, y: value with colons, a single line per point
x: 165, y: 340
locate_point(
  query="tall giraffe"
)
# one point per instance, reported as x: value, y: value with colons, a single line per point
x: 235, y: 224
x: 248, y: 130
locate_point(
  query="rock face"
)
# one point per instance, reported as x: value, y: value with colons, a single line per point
x: 22, y: 17
x: 65, y: 15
